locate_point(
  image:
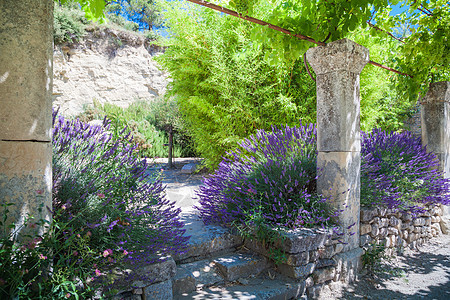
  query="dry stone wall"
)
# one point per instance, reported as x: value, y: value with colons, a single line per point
x: 396, y: 230
x: 108, y: 65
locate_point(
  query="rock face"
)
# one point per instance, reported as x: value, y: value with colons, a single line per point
x: 108, y: 65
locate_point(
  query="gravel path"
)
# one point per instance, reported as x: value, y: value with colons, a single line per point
x: 417, y: 274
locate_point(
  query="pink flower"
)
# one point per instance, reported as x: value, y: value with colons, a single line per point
x: 252, y: 191
x: 107, y: 252
x: 101, y: 195
x: 42, y: 256
x: 68, y: 295
x: 88, y: 233
x: 97, y: 272
x: 75, y: 253
x: 125, y: 252
x: 39, y: 192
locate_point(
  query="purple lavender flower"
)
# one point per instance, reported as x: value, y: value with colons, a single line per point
x: 397, y: 172
x: 106, y: 190
x: 272, y: 175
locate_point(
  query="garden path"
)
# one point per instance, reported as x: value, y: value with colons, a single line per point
x: 418, y: 274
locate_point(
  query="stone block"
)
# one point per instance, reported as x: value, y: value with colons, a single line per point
x: 159, y: 291
x: 392, y: 230
x: 314, y: 291
x: 326, y: 252
x: 394, y: 221
x: 238, y: 265
x: 314, y: 256
x: 405, y: 234
x: 26, y: 180
x: 383, y: 232
x: 183, y: 282
x: 427, y: 221
x: 406, y: 217
x: 436, y: 227
x: 207, y: 240
x: 301, y: 240
x: 327, y: 262
x: 365, y: 240
x: 162, y: 269
x: 204, y: 272
x: 340, y: 181
x: 382, y: 211
x: 309, y: 282
x: 411, y: 237
x: 324, y: 274
x: 299, y: 259
x: 26, y: 72
x: 375, y: 230
x: 349, y: 264
x: 365, y: 228
x: 384, y: 222
x: 368, y: 214
x: 189, y: 168
x: 300, y: 272
x: 127, y: 295
x: 435, y: 219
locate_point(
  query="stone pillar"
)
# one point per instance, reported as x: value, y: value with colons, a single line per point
x: 26, y: 55
x: 337, y: 67
x: 435, y: 123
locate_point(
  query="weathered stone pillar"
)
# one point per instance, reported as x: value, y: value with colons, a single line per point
x: 435, y: 123
x: 337, y: 67
x: 26, y: 54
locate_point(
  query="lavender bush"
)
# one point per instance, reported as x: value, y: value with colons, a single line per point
x: 111, y: 202
x: 398, y: 173
x: 270, y: 179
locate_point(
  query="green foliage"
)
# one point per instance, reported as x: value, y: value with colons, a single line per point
x: 255, y: 228
x: 27, y: 270
x: 93, y: 9
x: 145, y: 121
x: 68, y: 24
x: 381, y: 105
x: 424, y: 52
x: 373, y: 254
x: 223, y: 85
x: 142, y: 12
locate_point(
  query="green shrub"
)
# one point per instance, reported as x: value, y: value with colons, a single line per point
x: 68, y: 24
x: 143, y: 118
x: 225, y: 88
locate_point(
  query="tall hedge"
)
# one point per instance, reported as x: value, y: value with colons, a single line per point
x: 224, y: 86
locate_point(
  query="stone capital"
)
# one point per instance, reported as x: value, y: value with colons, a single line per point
x: 341, y: 55
x: 438, y: 92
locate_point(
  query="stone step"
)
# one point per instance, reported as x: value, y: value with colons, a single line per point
x: 206, y: 240
x: 240, y: 265
x: 195, y: 275
x: 274, y: 287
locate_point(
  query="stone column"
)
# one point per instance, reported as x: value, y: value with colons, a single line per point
x: 26, y: 54
x: 337, y: 67
x: 435, y: 123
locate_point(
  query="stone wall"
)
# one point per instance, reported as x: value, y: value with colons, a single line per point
x: 314, y: 256
x: 107, y: 65
x: 399, y: 230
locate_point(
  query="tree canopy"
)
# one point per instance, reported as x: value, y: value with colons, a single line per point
x: 423, y: 52
x: 142, y: 12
